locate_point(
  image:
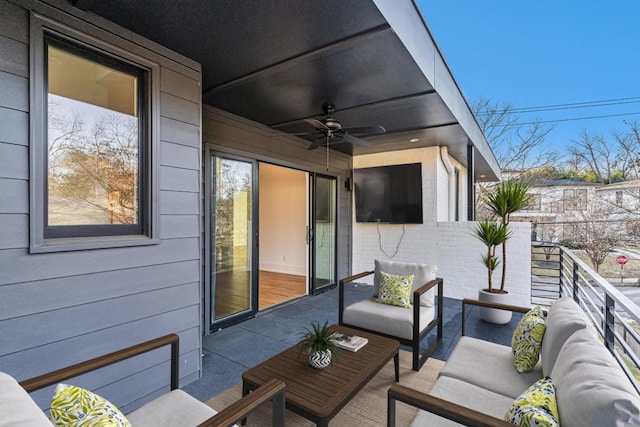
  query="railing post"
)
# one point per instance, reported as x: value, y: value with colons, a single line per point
x: 609, y: 322
x: 560, y: 271
x: 575, y: 282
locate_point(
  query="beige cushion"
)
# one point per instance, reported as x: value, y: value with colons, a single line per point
x: 423, y: 273
x: 464, y: 394
x: 386, y: 319
x: 490, y: 366
x: 16, y: 406
x: 563, y: 319
x: 591, y: 389
x: 175, y: 408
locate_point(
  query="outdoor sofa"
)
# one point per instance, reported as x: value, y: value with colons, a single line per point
x: 173, y: 409
x: 479, y: 382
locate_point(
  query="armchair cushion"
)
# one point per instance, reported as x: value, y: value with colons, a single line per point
x: 422, y: 274
x: 395, y: 289
x: 175, y: 408
x: 527, y: 340
x: 386, y: 319
x: 536, y: 406
x: 498, y: 376
x: 74, y: 406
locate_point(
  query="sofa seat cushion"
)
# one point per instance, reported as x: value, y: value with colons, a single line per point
x: 464, y: 394
x: 386, y: 319
x: 175, y: 408
x: 490, y: 366
x: 422, y: 273
x: 591, y: 388
x: 563, y: 319
x: 16, y: 406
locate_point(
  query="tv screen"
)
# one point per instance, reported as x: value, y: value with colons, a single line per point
x: 389, y: 194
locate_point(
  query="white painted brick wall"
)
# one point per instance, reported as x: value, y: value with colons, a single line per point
x: 450, y: 246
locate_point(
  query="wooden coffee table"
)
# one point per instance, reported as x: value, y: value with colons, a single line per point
x: 319, y: 394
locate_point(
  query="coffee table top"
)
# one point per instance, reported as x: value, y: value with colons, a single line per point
x: 321, y: 393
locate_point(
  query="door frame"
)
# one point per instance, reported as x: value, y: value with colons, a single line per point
x: 210, y: 325
x: 312, y: 222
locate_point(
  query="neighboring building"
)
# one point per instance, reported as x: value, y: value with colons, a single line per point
x: 559, y: 209
x: 149, y: 171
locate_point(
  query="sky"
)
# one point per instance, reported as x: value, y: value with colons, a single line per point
x: 544, y: 52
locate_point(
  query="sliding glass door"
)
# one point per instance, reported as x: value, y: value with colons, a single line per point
x: 323, y: 233
x: 232, y: 272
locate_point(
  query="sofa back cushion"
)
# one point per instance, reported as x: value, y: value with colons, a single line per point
x: 16, y: 406
x: 591, y: 387
x: 422, y: 272
x: 563, y: 319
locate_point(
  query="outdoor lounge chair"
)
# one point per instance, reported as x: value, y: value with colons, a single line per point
x: 408, y: 325
x: 175, y: 408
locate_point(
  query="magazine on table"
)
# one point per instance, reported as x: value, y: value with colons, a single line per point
x: 349, y: 342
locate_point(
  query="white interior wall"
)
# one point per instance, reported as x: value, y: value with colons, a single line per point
x: 450, y: 246
x: 283, y: 219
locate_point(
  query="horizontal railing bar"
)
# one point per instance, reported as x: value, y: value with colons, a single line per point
x: 627, y: 349
x: 627, y: 371
x: 626, y: 326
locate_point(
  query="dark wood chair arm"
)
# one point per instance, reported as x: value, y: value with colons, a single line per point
x: 341, y: 284
x: 63, y: 374
x: 469, y: 301
x: 355, y: 277
x: 232, y: 414
x: 424, y: 288
x: 444, y: 408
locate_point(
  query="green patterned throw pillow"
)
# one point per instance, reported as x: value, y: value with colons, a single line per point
x: 527, y: 340
x: 395, y: 289
x: 77, y: 407
x: 536, y: 406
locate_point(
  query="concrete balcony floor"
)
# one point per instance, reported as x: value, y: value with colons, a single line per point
x: 229, y: 352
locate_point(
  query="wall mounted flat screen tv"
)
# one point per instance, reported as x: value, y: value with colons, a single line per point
x: 389, y: 194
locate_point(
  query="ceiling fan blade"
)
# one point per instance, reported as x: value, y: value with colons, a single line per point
x: 317, y: 124
x: 316, y: 144
x: 355, y: 141
x: 367, y: 130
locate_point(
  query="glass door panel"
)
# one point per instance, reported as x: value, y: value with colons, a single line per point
x: 232, y: 274
x: 323, y: 233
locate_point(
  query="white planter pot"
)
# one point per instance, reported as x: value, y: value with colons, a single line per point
x: 493, y: 315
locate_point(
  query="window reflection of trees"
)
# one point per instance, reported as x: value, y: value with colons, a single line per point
x: 93, y: 164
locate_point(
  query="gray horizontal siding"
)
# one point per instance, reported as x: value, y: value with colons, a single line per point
x: 178, y: 202
x: 16, y: 59
x: 60, y: 308
x: 14, y: 126
x: 14, y: 161
x: 44, y: 295
x: 14, y: 196
x: 15, y: 91
x: 12, y: 227
x: 180, y: 156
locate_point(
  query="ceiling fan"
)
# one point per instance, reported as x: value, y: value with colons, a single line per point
x: 330, y: 131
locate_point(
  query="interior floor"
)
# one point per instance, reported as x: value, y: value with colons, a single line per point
x: 233, y: 291
x: 276, y: 288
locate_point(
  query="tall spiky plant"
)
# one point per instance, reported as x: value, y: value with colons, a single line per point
x: 492, y: 234
x: 508, y: 197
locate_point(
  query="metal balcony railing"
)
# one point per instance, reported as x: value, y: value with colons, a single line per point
x: 556, y: 272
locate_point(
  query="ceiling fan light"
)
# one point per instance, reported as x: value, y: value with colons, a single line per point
x: 414, y: 140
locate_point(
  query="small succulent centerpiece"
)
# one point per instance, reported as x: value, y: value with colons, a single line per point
x: 319, y: 342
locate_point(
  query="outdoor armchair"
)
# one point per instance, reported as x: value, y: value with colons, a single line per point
x: 407, y: 325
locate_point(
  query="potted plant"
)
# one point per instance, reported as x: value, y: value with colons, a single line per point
x: 319, y: 342
x: 506, y: 198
